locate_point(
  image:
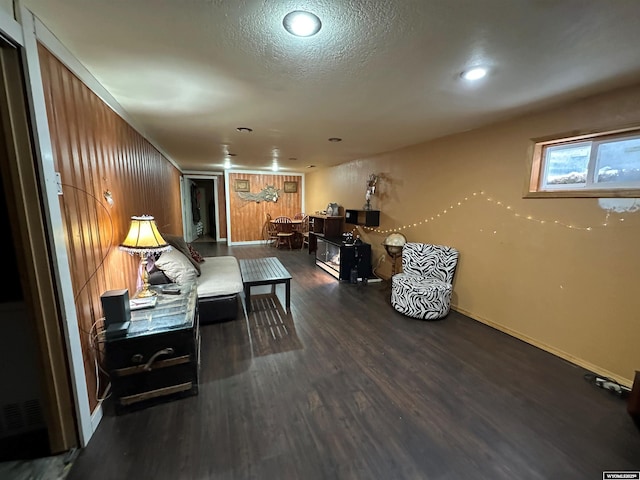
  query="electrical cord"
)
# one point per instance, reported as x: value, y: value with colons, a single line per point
x: 106, y: 253
x: 94, y: 341
x: 374, y: 270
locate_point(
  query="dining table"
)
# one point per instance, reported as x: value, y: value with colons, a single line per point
x: 294, y: 226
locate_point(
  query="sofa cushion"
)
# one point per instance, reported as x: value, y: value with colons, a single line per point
x: 195, y: 254
x: 220, y: 276
x: 177, y: 242
x: 176, y: 266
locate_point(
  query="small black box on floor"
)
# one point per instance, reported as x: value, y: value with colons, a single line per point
x: 115, y: 307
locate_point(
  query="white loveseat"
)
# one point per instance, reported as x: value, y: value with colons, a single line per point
x: 218, y: 279
x: 219, y: 287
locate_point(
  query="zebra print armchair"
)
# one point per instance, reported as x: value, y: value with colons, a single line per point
x: 423, y: 289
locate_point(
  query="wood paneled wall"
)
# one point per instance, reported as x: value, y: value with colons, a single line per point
x: 247, y: 217
x: 96, y: 151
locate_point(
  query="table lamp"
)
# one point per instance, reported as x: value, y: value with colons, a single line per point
x: 144, y: 239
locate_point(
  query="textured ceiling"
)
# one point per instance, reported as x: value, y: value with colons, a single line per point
x: 380, y: 74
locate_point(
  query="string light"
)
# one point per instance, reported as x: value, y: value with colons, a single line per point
x: 497, y: 203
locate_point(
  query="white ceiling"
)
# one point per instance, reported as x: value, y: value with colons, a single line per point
x: 380, y: 74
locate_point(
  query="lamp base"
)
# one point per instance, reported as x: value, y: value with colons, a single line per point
x: 145, y: 293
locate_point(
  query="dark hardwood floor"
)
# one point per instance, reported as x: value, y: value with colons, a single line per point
x: 346, y: 388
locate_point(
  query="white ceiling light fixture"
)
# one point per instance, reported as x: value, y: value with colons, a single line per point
x: 475, y: 73
x: 301, y: 23
x: 227, y: 163
x: 274, y: 167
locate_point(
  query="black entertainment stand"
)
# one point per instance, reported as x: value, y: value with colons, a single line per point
x: 338, y: 258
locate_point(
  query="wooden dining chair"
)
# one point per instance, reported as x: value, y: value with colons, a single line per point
x: 298, y: 221
x: 270, y: 231
x: 304, y: 230
x: 285, y: 233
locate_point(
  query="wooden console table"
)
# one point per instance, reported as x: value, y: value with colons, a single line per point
x: 264, y: 271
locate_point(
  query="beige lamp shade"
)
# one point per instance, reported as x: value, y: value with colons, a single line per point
x: 143, y: 237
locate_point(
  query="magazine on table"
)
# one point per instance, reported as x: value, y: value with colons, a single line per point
x: 146, y: 302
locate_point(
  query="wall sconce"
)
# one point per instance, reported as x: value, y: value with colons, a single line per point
x: 108, y: 197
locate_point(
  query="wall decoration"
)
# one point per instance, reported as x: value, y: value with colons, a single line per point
x: 290, y: 187
x: 371, y: 190
x: 267, y: 194
x: 242, y: 186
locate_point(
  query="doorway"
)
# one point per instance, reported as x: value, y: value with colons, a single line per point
x: 38, y: 414
x: 203, y: 210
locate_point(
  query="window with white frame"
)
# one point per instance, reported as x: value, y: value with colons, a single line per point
x: 597, y: 165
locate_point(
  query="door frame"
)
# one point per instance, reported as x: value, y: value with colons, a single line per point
x: 30, y: 235
x: 215, y: 177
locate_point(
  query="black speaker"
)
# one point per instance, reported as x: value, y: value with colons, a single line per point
x: 115, y: 307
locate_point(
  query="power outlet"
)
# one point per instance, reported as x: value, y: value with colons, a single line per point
x: 59, y: 183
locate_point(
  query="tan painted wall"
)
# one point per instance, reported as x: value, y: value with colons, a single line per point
x: 545, y: 279
x: 7, y: 6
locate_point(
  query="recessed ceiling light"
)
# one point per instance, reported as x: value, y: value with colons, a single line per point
x: 475, y: 73
x: 311, y: 166
x: 301, y: 23
x: 292, y: 158
x: 231, y: 154
x: 335, y: 139
x: 244, y: 129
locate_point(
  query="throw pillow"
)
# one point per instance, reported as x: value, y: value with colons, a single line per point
x: 195, y: 254
x: 176, y: 266
x: 177, y: 242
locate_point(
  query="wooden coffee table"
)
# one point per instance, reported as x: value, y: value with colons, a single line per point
x: 264, y: 271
